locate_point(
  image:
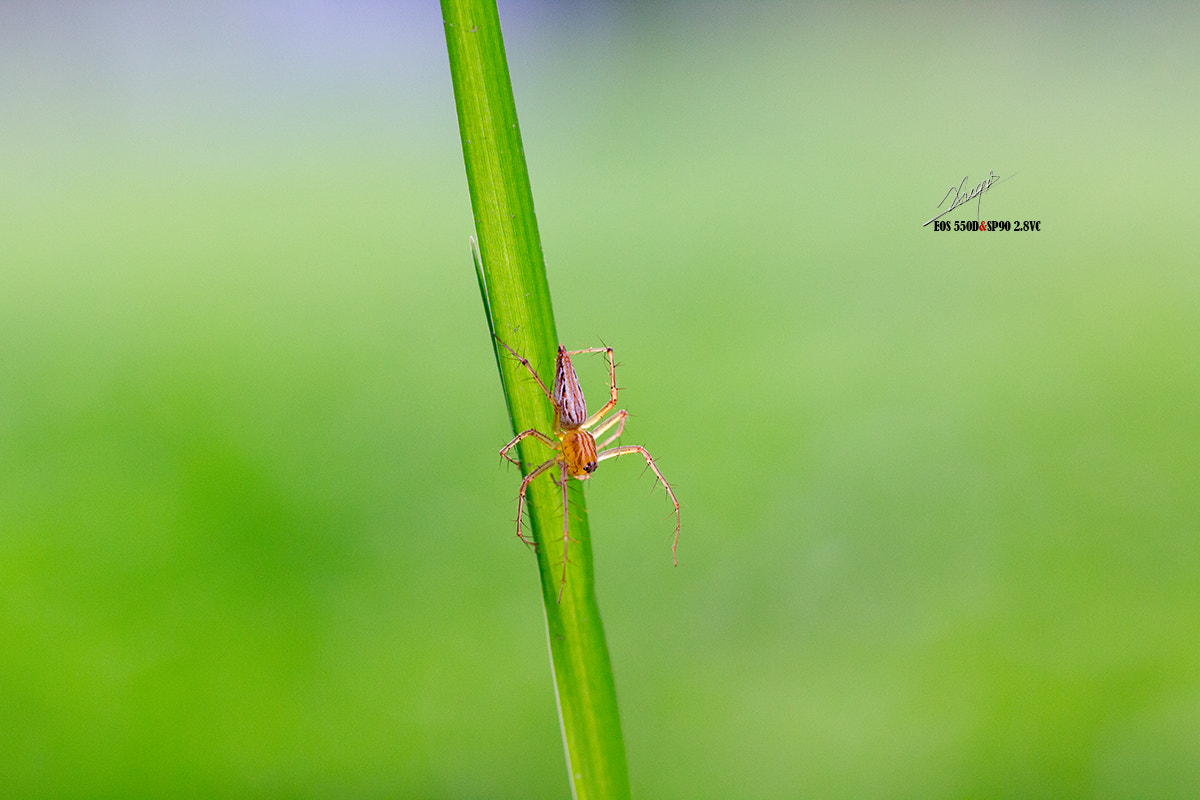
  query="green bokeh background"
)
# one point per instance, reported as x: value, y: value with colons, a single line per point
x: 941, y: 491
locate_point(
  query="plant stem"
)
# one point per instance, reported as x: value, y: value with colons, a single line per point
x: 516, y: 296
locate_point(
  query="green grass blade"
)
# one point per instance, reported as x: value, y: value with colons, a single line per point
x: 516, y: 298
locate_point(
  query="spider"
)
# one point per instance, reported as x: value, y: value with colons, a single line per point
x: 574, y: 441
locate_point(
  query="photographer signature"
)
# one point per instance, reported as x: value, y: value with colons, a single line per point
x: 960, y: 197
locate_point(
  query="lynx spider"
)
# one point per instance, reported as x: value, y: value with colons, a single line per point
x: 574, y: 441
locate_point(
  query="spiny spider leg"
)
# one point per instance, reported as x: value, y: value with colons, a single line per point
x: 553, y: 445
x: 562, y: 583
x: 521, y: 497
x: 528, y: 366
x: 563, y: 482
x: 613, y: 452
x: 617, y: 419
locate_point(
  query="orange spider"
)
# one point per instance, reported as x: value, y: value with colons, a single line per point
x: 574, y: 440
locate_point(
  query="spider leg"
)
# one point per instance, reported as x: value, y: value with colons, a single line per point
x: 566, y: 529
x: 521, y: 497
x: 617, y: 419
x: 613, y: 452
x: 524, y: 435
x: 528, y: 366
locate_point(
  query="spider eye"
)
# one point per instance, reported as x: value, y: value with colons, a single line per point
x: 590, y: 467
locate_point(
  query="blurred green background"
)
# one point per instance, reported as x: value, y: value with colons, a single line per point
x: 941, y: 491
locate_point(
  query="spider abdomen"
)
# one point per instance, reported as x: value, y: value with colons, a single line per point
x: 569, y: 406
